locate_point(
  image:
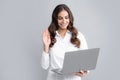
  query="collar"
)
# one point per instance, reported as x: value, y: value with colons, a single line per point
x: 67, y: 32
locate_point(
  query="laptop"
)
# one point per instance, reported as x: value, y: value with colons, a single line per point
x: 75, y: 61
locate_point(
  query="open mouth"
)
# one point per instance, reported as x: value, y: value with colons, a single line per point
x: 63, y: 25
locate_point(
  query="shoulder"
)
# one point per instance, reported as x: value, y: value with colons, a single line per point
x: 80, y: 35
x: 82, y: 39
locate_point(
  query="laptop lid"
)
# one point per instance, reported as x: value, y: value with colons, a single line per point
x: 75, y: 61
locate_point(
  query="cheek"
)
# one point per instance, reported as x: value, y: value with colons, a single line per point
x: 59, y: 22
x: 68, y: 20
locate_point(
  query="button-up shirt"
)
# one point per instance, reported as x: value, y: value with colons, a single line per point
x: 55, y: 57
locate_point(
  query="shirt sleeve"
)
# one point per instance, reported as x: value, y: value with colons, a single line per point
x: 83, y: 43
x: 45, y: 60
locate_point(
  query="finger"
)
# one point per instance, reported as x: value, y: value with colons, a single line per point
x: 47, y: 32
x: 48, y: 36
x: 79, y: 74
x: 44, y: 33
x: 82, y: 71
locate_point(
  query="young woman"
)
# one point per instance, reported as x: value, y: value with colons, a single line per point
x: 60, y: 37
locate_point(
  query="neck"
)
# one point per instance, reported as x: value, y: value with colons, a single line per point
x: 62, y: 32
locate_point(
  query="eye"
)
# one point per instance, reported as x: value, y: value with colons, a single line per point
x: 66, y: 17
x: 60, y: 18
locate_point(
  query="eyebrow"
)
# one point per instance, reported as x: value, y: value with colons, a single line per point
x: 66, y: 15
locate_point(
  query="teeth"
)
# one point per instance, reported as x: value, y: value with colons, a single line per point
x: 63, y: 24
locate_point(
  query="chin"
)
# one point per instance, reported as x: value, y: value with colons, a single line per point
x: 64, y: 28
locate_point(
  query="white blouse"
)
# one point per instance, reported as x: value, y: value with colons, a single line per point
x: 55, y: 57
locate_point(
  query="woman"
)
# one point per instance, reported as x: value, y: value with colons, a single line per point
x: 60, y: 37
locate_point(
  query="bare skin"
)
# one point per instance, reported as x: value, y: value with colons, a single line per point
x: 46, y: 40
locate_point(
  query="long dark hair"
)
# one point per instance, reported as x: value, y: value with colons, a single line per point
x: 54, y: 25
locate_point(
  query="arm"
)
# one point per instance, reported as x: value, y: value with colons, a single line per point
x: 83, y: 45
x: 83, y: 41
x: 45, y: 60
x: 45, y: 54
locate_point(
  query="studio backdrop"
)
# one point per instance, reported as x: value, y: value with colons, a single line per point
x: 22, y: 23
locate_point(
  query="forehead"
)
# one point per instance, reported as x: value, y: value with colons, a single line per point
x: 63, y: 13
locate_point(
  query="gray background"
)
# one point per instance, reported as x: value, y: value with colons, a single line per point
x: 21, y: 25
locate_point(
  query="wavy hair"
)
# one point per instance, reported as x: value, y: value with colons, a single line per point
x: 54, y: 26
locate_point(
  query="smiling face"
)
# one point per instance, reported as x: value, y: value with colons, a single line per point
x: 63, y: 20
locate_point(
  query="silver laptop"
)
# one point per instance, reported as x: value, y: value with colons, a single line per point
x: 75, y: 61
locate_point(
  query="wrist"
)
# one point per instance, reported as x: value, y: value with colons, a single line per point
x: 46, y: 49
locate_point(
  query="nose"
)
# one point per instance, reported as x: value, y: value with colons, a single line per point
x: 64, y: 20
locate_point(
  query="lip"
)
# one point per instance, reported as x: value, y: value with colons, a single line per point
x: 63, y: 24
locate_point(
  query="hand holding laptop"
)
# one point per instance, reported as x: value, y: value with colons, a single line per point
x: 81, y: 60
x: 81, y: 73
